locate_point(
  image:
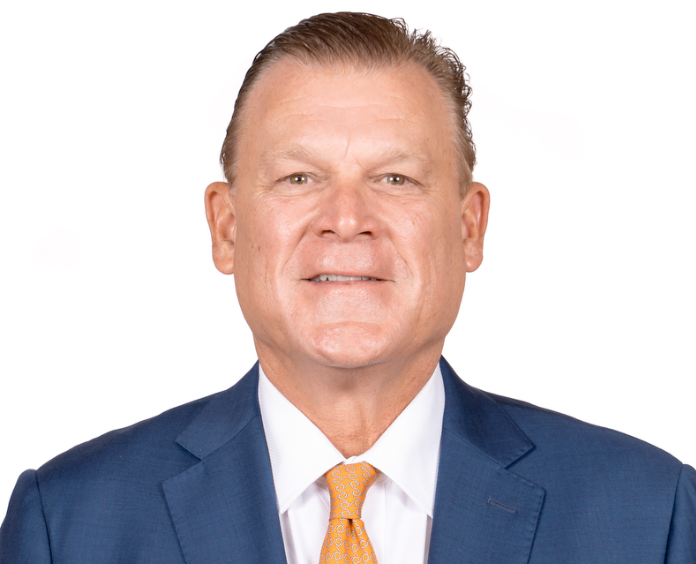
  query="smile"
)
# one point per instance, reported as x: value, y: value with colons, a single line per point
x: 339, y: 278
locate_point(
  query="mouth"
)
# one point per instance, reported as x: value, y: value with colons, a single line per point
x: 341, y: 278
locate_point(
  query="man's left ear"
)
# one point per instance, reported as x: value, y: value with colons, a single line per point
x: 475, y: 205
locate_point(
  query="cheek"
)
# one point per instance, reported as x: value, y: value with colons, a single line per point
x: 268, y: 234
x: 431, y: 244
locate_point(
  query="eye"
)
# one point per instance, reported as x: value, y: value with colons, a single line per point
x: 298, y: 178
x: 396, y: 179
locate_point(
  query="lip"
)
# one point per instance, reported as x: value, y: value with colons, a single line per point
x: 340, y: 278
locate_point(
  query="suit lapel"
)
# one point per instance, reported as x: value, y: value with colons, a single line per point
x: 484, y: 512
x: 224, y: 507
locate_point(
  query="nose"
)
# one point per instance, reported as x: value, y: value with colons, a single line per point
x: 348, y: 210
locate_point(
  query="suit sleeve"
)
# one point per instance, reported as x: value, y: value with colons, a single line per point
x: 681, y: 546
x: 23, y: 535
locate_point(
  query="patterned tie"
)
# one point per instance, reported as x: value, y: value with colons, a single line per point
x: 346, y: 540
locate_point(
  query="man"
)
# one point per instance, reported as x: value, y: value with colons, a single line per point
x: 349, y: 221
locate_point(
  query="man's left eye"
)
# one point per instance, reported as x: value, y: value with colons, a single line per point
x: 396, y: 179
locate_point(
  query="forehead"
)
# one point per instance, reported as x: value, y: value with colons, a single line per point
x: 343, y: 84
x: 296, y: 103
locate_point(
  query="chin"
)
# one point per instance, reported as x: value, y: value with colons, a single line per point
x: 355, y: 346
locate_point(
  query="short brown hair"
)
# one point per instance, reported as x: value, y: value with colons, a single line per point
x: 370, y: 41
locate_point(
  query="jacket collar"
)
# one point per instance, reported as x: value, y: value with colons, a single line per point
x: 223, y: 417
x: 483, y: 511
x: 474, y: 417
x: 224, y: 507
x: 469, y: 413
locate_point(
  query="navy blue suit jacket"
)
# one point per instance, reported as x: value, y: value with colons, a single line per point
x: 516, y: 484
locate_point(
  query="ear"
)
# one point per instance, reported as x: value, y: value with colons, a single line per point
x: 475, y: 205
x: 222, y: 220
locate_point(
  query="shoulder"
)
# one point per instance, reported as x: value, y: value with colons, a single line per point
x: 582, y: 453
x: 126, y: 467
x: 560, y: 430
x: 548, y: 440
x: 137, y: 456
x: 605, y: 483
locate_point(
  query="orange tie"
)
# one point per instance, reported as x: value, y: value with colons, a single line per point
x: 346, y: 540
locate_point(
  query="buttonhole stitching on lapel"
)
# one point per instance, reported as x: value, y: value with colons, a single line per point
x: 495, y: 503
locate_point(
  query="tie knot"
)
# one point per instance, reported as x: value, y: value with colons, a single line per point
x: 347, y: 486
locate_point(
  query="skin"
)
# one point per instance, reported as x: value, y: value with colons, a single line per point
x: 353, y: 173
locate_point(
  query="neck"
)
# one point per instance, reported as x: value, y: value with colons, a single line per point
x: 351, y: 406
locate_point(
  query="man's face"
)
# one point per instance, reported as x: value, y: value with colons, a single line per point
x: 343, y: 173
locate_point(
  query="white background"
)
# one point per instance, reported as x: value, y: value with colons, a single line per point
x: 111, y: 119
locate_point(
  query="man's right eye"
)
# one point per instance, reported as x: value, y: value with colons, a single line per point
x: 298, y: 179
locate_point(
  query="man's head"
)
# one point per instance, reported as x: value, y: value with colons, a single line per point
x: 352, y: 173
x: 365, y: 42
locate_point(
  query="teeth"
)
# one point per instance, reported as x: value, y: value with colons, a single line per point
x: 339, y: 278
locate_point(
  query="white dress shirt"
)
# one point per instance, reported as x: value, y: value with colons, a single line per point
x: 398, y: 508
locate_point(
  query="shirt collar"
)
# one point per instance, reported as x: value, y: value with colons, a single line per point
x: 407, y: 452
